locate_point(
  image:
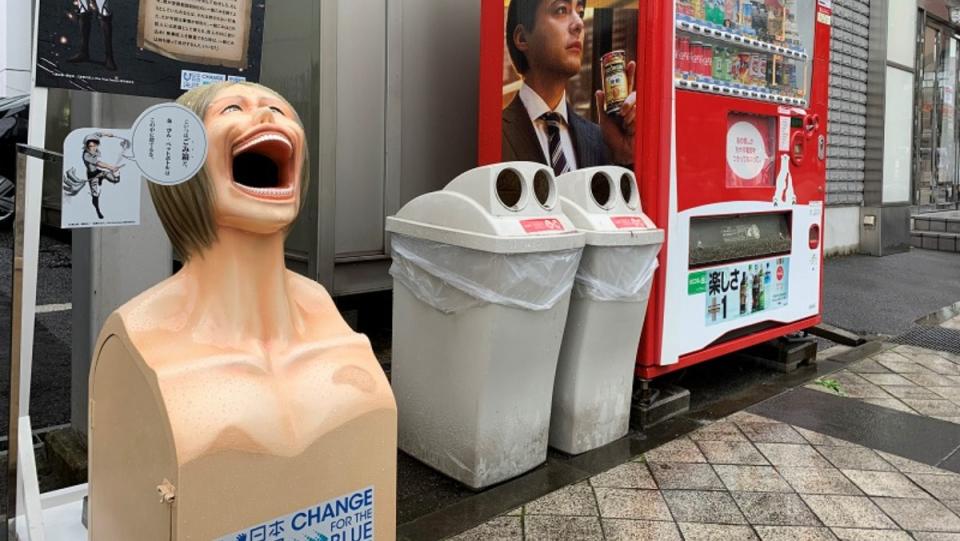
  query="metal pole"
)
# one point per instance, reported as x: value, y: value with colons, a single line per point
x: 10, y: 511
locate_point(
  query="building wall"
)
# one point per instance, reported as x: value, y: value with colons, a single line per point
x: 848, y: 98
x: 15, y: 51
x: 841, y: 233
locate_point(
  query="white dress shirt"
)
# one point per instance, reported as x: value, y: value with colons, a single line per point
x: 536, y: 107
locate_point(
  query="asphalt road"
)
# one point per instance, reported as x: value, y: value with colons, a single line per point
x: 50, y: 384
x: 886, y: 295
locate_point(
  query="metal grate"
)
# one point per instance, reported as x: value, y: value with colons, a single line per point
x: 938, y: 338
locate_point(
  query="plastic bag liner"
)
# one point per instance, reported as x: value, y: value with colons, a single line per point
x: 451, y: 278
x: 617, y: 273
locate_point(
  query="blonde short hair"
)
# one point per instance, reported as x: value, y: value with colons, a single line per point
x: 186, y: 209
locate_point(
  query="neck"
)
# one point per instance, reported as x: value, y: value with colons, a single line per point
x: 241, y: 288
x: 550, y: 88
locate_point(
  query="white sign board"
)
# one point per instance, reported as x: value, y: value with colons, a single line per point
x: 102, y: 168
x: 101, y: 183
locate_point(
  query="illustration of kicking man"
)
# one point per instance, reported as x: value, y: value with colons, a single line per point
x: 97, y: 169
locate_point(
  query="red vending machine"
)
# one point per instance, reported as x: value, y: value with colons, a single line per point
x: 741, y: 193
x: 727, y: 139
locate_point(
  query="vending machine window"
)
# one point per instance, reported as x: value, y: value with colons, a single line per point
x: 744, y: 48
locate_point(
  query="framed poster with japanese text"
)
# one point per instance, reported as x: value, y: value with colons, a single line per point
x: 156, y: 48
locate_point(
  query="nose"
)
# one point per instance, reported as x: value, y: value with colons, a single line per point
x: 577, y: 24
x: 263, y: 115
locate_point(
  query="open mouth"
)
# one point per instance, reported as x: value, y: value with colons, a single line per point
x: 261, y: 165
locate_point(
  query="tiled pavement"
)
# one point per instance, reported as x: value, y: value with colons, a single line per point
x: 953, y: 323
x: 904, y: 378
x: 746, y: 477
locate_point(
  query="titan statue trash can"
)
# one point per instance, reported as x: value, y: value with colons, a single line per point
x: 591, y: 396
x: 483, y: 271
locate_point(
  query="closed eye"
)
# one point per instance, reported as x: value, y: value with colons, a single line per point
x: 277, y: 110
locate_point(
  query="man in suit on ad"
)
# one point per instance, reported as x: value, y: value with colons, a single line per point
x: 545, y: 42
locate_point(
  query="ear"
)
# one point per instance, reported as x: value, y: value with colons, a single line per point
x: 520, y: 38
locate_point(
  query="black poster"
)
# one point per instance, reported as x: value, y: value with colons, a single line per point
x: 157, y: 48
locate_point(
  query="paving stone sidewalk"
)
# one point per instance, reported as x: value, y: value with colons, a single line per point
x: 746, y: 477
x: 903, y: 378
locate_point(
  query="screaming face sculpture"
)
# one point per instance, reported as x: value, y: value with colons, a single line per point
x: 247, y: 376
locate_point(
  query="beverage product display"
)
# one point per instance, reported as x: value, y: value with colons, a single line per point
x: 741, y: 47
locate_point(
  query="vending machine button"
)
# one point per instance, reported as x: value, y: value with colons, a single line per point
x: 797, y: 147
x: 814, y: 236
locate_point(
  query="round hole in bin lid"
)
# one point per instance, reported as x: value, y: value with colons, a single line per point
x: 601, y: 190
x: 628, y: 189
x: 543, y: 189
x: 510, y: 188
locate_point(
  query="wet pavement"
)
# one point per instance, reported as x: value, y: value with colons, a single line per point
x: 801, y: 465
x: 903, y: 378
x: 866, y: 445
x: 746, y: 477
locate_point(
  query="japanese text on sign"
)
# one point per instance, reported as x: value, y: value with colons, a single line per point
x: 744, y: 289
x: 209, y: 32
x: 170, y: 143
x: 346, y: 518
x: 749, y: 148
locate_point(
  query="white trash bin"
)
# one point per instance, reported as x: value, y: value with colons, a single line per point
x: 483, y: 271
x: 591, y: 396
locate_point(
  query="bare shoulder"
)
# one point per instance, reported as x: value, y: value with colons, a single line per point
x: 308, y: 293
x: 163, y: 306
x: 317, y: 307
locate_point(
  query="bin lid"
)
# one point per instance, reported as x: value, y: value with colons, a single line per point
x: 510, y: 207
x: 604, y: 203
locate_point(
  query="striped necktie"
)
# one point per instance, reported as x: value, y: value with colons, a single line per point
x: 557, y: 160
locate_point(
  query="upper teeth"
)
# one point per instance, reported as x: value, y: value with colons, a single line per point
x: 261, y: 138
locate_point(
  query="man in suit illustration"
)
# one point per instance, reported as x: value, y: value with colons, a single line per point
x: 545, y: 42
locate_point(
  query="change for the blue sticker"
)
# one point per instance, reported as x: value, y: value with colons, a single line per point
x: 345, y: 518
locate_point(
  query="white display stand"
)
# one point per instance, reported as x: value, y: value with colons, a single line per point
x: 55, y: 515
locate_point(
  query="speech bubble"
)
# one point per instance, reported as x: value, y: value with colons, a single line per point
x: 169, y: 143
x: 746, y: 150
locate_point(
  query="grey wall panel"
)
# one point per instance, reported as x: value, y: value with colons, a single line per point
x: 441, y: 58
x: 846, y: 152
x: 289, y: 66
x: 876, y: 104
x: 361, y: 86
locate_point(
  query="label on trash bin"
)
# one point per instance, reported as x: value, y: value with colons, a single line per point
x: 745, y: 289
x: 346, y: 518
x: 540, y: 225
x: 631, y: 222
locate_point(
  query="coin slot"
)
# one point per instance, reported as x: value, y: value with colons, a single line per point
x: 510, y: 189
